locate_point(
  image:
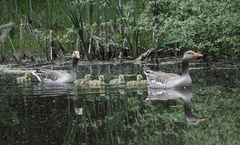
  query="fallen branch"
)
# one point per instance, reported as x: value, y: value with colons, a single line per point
x: 145, y: 55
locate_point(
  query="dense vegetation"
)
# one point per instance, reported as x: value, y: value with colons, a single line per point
x: 101, y: 29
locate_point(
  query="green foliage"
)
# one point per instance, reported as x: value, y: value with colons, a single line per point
x: 208, y: 25
x: 106, y: 27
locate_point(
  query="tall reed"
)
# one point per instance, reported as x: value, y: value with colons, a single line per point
x: 50, y: 45
x: 21, y: 42
x: 16, y: 7
x: 29, y: 9
x: 3, y: 50
x: 8, y: 10
x: 74, y: 14
x: 50, y: 12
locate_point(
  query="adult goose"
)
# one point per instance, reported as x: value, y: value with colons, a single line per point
x: 169, y: 80
x: 59, y: 76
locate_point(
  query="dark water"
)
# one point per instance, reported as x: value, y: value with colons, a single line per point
x: 33, y: 113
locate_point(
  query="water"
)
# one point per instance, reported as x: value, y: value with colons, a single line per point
x: 32, y: 113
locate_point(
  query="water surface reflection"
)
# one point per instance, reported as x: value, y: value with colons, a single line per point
x: 175, y: 94
x: 33, y: 113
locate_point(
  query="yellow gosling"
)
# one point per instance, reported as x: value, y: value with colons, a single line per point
x: 138, y: 82
x: 85, y: 81
x: 144, y: 82
x: 23, y: 79
x: 118, y: 81
x: 135, y: 83
x: 99, y: 82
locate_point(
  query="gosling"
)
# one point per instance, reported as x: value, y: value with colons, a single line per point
x: 23, y: 79
x: 118, y: 81
x: 97, y: 83
x: 85, y: 81
x: 138, y: 82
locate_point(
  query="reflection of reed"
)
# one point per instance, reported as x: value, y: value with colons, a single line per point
x: 174, y: 94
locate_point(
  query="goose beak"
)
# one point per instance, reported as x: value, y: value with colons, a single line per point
x: 200, y: 120
x: 78, y: 56
x: 197, y: 55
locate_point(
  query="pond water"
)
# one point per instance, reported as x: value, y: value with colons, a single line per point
x: 32, y: 113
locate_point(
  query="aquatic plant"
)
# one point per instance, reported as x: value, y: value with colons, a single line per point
x: 74, y: 14
x: 50, y: 13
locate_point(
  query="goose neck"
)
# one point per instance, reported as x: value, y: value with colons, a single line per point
x: 74, y: 64
x: 185, y: 67
x: 187, y: 109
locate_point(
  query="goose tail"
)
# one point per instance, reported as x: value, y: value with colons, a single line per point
x: 149, y: 72
x: 35, y: 77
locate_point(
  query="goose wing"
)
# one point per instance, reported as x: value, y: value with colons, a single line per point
x: 54, y: 74
x: 51, y: 75
x: 160, y: 77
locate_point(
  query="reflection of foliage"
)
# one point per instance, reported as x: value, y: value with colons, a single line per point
x: 220, y: 106
x: 126, y: 118
x: 115, y: 119
x: 119, y: 120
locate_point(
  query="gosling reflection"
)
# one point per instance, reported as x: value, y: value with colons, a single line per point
x: 174, y: 94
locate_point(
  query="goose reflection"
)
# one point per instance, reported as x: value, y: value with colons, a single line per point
x: 78, y: 107
x: 174, y: 94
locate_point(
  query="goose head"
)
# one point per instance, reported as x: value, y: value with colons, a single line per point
x: 101, y: 78
x: 27, y: 76
x: 75, y: 57
x: 121, y: 78
x: 139, y: 77
x: 87, y: 77
x: 188, y: 55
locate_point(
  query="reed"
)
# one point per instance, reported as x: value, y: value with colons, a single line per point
x: 30, y: 9
x: 50, y: 13
x: 8, y: 10
x: 16, y: 7
x: 50, y: 46
x: 21, y: 42
x: 3, y: 51
x: 76, y: 17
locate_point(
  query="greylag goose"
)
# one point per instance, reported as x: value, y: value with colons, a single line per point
x: 174, y: 94
x: 118, y: 81
x: 85, y: 81
x: 59, y: 76
x: 139, y: 82
x: 97, y: 83
x: 169, y: 80
x: 25, y: 78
